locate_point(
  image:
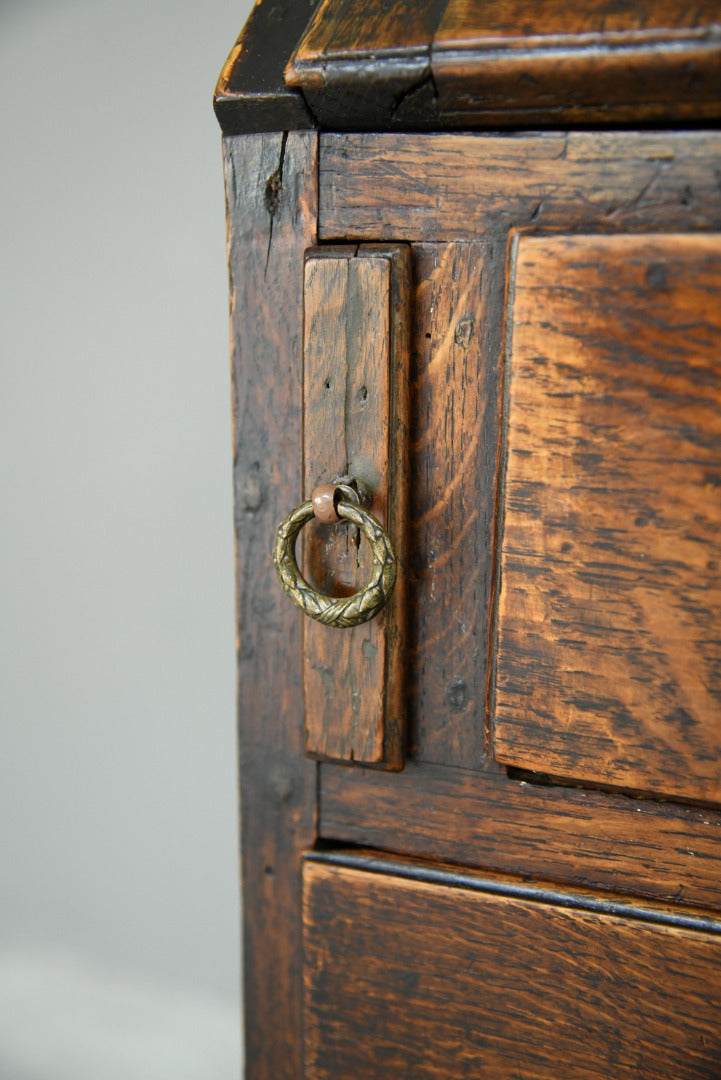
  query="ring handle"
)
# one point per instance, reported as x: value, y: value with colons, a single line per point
x: 331, y: 610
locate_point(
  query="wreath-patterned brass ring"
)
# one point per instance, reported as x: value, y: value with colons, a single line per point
x: 331, y: 610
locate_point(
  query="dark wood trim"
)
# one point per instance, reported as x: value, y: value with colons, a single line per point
x: 628, y: 845
x: 251, y: 95
x: 412, y: 979
x: 461, y: 187
x: 272, y: 206
x: 456, y: 65
x: 454, y: 877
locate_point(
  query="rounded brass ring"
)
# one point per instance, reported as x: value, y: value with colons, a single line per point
x: 331, y: 610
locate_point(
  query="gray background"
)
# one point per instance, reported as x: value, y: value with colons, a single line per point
x: 119, y: 901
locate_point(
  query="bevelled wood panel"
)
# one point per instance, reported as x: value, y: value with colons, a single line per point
x: 272, y: 203
x: 405, y: 978
x: 609, y: 616
x: 355, y: 423
x: 446, y: 187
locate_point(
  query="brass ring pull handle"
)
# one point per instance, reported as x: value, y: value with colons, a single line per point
x: 330, y: 610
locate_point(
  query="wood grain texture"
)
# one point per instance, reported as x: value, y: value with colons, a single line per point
x: 454, y: 447
x: 540, y: 63
x: 356, y: 359
x: 518, y: 22
x: 639, y: 847
x: 251, y: 95
x: 407, y: 978
x: 347, y: 30
x: 266, y: 242
x: 446, y: 187
x: 609, y: 644
x: 449, y: 64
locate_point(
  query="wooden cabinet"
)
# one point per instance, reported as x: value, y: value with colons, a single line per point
x: 536, y: 892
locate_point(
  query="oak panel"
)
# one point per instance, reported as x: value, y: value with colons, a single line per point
x: 356, y: 359
x: 455, y: 187
x: 407, y: 978
x: 609, y: 640
x: 266, y: 243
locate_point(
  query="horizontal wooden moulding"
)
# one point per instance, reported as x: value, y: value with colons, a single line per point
x: 407, y: 977
x: 459, y: 187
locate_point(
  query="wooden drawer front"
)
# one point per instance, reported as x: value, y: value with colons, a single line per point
x: 609, y: 639
x: 406, y: 979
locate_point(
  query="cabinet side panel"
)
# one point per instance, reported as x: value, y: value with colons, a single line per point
x: 271, y: 197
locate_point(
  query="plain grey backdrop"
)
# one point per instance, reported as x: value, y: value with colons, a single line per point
x: 119, y: 897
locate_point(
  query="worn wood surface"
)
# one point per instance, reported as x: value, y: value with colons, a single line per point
x: 409, y: 978
x: 446, y: 64
x: 466, y: 23
x: 356, y: 359
x: 485, y: 819
x: 271, y: 195
x: 345, y: 29
x: 251, y: 95
x: 541, y: 63
x: 467, y: 193
x: 454, y: 446
x: 609, y: 645
x: 456, y: 187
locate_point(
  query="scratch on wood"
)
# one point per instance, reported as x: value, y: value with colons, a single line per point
x: 273, y: 194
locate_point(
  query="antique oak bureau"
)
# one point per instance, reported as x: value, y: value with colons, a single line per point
x: 475, y: 269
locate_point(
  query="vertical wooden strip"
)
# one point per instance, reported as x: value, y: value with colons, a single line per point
x: 458, y: 317
x: 355, y: 389
x: 272, y: 206
x: 413, y: 978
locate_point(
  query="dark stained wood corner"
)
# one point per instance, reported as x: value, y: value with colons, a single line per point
x: 251, y: 95
x: 458, y: 64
